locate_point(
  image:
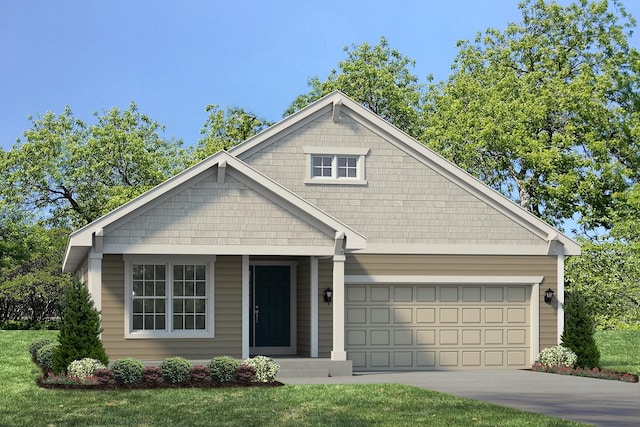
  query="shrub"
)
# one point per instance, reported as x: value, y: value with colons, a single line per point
x: 44, y: 357
x: 579, y: 330
x: 80, y: 329
x: 37, y: 345
x: 266, y: 368
x: 176, y: 370
x: 152, y: 375
x: 84, y: 367
x: 245, y: 374
x: 127, y: 371
x: 557, y: 356
x: 104, y: 376
x: 200, y: 374
x: 223, y: 369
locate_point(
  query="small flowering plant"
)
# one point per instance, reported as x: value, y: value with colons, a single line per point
x: 557, y: 356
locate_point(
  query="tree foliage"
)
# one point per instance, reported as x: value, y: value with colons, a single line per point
x: 31, y: 281
x: 222, y: 131
x: 545, y: 111
x: 72, y: 173
x: 377, y: 76
x: 80, y: 329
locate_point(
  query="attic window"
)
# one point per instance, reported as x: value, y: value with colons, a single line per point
x: 335, y: 165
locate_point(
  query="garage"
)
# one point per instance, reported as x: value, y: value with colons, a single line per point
x: 438, y: 326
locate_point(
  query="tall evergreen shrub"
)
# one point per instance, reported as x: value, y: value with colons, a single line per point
x: 80, y: 329
x: 579, y: 330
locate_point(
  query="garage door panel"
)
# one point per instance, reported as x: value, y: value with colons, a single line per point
x: 471, y: 328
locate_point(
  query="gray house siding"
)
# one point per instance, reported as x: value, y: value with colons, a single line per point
x: 403, y: 202
x: 209, y: 213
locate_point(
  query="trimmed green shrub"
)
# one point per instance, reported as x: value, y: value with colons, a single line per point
x: 127, y: 371
x: 44, y: 357
x: 84, y: 367
x: 579, y: 330
x: 223, y: 369
x: 37, y: 345
x: 245, y: 374
x: 80, y: 329
x: 176, y: 370
x: 557, y: 356
x: 266, y: 368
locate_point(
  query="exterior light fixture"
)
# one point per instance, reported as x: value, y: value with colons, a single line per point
x: 548, y: 296
x: 328, y: 295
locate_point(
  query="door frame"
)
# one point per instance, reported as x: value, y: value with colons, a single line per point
x: 292, y: 349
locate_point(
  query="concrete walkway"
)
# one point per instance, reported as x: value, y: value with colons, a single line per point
x: 587, y: 400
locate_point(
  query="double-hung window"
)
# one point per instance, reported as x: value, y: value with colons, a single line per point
x: 335, y: 165
x: 170, y: 298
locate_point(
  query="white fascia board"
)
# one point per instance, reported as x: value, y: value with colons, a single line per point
x: 451, y: 249
x: 152, y: 249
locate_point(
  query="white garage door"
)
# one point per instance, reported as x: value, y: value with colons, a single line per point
x: 422, y: 327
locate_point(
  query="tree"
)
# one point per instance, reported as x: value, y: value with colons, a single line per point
x: 578, y: 331
x: 377, y: 76
x: 221, y: 132
x: 546, y: 111
x: 80, y: 330
x: 72, y: 173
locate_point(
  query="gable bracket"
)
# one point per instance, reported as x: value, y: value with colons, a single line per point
x: 222, y: 167
x: 337, y: 105
x: 339, y: 243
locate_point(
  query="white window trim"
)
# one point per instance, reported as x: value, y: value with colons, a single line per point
x: 129, y: 260
x: 335, y: 153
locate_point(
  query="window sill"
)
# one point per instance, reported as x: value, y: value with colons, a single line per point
x: 167, y: 335
x: 331, y: 181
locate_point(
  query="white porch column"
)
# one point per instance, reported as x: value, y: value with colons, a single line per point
x: 338, y: 352
x: 245, y: 306
x: 94, y: 279
x: 560, y: 294
x: 313, y: 280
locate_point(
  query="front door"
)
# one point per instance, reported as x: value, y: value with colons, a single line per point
x: 270, y: 303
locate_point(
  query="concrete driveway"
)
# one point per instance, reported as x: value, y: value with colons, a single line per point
x: 587, y: 400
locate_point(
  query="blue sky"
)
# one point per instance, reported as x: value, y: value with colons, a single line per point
x: 174, y: 57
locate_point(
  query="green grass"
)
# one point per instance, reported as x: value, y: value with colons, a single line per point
x: 619, y: 350
x: 22, y: 403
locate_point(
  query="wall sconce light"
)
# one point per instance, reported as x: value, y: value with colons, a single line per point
x: 328, y: 295
x: 548, y: 296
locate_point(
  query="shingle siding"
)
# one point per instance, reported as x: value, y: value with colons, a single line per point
x: 403, y: 202
x: 208, y: 213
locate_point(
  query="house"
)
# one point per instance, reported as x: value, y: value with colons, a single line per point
x: 332, y: 234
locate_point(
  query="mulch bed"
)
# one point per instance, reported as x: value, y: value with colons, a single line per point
x: 43, y: 382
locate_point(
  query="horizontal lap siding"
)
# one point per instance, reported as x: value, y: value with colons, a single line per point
x: 228, y: 312
x: 469, y: 265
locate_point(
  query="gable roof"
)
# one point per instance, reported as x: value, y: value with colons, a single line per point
x: 83, y: 239
x: 339, y: 104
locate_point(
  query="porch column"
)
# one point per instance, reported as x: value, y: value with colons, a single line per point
x: 338, y: 352
x: 94, y: 279
x: 314, y: 305
x: 245, y: 306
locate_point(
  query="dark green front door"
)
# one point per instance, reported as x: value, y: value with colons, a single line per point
x: 270, y: 306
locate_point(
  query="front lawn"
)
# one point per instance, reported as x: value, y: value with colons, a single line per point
x: 22, y: 403
x: 619, y: 350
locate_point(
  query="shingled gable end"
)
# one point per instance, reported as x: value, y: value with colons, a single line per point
x: 428, y: 267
